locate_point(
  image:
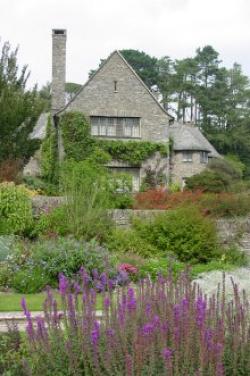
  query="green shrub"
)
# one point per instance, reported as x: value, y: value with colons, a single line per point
x: 12, y: 351
x: 183, y: 232
x: 15, y: 209
x: 208, y: 181
x: 41, y: 186
x: 225, y: 204
x: 128, y: 241
x: 32, y: 266
x: 87, y: 192
x: 54, y: 222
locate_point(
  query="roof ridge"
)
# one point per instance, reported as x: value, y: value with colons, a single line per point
x: 98, y: 70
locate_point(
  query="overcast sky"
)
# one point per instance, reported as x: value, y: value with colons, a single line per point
x: 97, y: 27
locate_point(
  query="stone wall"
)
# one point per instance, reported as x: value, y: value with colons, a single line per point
x: 131, y: 99
x: 181, y: 170
x: 230, y: 230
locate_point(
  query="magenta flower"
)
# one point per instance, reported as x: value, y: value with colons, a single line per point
x: 167, y: 353
x: 63, y: 284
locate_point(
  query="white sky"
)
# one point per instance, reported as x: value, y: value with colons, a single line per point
x: 97, y: 27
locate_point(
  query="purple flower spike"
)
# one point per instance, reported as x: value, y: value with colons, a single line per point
x: 106, y: 302
x: 131, y: 304
x: 148, y: 329
x: 24, y: 306
x: 167, y: 353
x: 63, y: 284
x: 95, y: 334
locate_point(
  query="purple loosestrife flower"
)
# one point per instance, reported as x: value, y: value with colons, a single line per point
x: 110, y: 332
x: 200, y: 311
x: 104, y: 279
x: 167, y: 353
x: 77, y: 288
x: 95, y: 334
x: 41, y: 330
x: 148, y: 309
x: 148, y: 329
x: 106, y: 302
x: 63, y: 284
x: 131, y: 303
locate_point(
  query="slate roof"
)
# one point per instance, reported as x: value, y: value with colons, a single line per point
x: 186, y: 137
x: 39, y: 131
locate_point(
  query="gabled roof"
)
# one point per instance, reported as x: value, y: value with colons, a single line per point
x: 130, y: 68
x: 186, y: 137
x: 39, y: 130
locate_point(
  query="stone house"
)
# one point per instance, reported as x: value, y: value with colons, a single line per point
x: 120, y: 106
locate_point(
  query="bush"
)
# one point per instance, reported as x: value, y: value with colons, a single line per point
x: 129, y: 241
x: 12, y: 351
x: 208, y: 181
x: 183, y: 232
x: 158, y: 328
x: 163, y: 200
x: 15, y: 209
x: 41, y: 186
x: 10, y: 170
x: 86, y: 189
x: 225, y: 204
x: 33, y: 266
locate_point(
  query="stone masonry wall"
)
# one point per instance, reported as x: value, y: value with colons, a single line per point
x: 131, y: 99
x: 230, y: 230
x: 181, y: 170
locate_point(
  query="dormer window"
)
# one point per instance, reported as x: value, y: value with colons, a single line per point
x: 204, y: 157
x: 187, y: 156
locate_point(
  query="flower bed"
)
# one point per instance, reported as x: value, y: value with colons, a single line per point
x: 160, y: 328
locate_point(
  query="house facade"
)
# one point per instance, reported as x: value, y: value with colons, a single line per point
x: 120, y: 106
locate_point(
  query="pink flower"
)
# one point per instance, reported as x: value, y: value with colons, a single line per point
x: 128, y: 268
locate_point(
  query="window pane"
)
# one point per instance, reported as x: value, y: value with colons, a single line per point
x: 111, y: 127
x: 136, y: 131
x: 103, y: 126
x: 94, y: 130
x: 187, y: 156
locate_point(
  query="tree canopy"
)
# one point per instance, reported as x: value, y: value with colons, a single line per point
x: 19, y: 108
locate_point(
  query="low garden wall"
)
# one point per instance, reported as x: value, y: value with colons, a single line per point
x: 230, y: 230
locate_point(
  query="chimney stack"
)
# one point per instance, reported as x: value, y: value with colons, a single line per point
x: 58, y: 69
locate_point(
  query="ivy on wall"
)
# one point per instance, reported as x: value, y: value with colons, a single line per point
x: 133, y: 152
x: 80, y: 145
x: 77, y: 141
x: 49, y: 155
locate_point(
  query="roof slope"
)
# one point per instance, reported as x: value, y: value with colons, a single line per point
x: 186, y: 137
x: 39, y: 131
x: 131, y: 69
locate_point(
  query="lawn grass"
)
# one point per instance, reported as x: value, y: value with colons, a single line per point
x: 10, y: 302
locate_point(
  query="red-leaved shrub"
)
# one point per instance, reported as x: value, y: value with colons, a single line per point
x: 10, y: 169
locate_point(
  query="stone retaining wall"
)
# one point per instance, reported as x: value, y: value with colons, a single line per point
x: 230, y: 230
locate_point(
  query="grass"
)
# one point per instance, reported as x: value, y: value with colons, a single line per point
x: 10, y: 302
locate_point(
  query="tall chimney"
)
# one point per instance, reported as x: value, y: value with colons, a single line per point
x: 58, y: 69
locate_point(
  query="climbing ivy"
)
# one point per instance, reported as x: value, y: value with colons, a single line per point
x: 80, y: 145
x: 77, y: 142
x: 133, y: 152
x: 49, y: 160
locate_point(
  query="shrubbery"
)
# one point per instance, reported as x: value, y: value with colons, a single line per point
x: 183, y: 232
x: 31, y: 267
x: 15, y: 209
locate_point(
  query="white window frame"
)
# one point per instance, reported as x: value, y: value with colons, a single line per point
x: 101, y: 126
x: 187, y: 156
x: 204, y: 157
